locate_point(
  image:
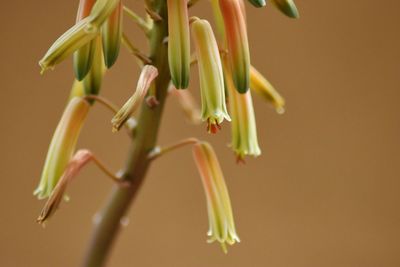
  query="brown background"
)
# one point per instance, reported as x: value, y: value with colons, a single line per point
x: 325, y: 192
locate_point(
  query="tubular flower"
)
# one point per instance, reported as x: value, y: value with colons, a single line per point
x: 112, y: 35
x: 80, y: 34
x: 211, y: 76
x: 287, y: 7
x: 62, y: 145
x: 148, y: 74
x: 244, y: 130
x: 237, y: 43
x: 82, y: 58
x: 178, y: 43
x: 263, y: 87
x: 221, y: 223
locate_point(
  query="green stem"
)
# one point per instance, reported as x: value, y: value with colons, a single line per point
x: 144, y: 141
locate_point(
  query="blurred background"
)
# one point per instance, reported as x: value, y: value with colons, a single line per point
x: 325, y: 191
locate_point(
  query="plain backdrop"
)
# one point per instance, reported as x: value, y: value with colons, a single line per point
x: 325, y: 191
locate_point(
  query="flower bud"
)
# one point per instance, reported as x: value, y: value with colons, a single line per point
x: 112, y: 36
x: 62, y: 145
x: 264, y: 88
x: 244, y: 130
x: 148, y: 74
x: 178, y: 43
x: 287, y: 7
x: 221, y: 223
x: 92, y: 81
x: 82, y: 59
x: 237, y: 42
x: 258, y: 3
x: 80, y: 34
x: 211, y: 76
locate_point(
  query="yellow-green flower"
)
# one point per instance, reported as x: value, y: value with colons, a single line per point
x: 237, y: 43
x: 211, y: 76
x: 220, y: 215
x: 260, y: 85
x: 244, y: 130
x: 258, y: 3
x: 178, y: 43
x: 62, y: 145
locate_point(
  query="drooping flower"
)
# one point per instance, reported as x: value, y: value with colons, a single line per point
x: 237, y: 43
x: 62, y: 145
x: 73, y: 167
x: 244, y: 130
x: 220, y: 215
x: 211, y: 76
x: 148, y: 74
x: 111, y: 33
x: 287, y: 7
x: 79, y: 35
x: 260, y: 85
x: 178, y: 43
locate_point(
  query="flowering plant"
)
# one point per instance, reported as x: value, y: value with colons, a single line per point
x: 222, y: 56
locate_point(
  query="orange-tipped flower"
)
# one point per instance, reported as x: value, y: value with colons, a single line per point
x: 62, y: 145
x: 237, y: 43
x: 287, y: 7
x: 221, y: 223
x: 178, y: 43
x: 260, y: 85
x: 211, y: 76
x: 244, y: 130
x: 112, y: 35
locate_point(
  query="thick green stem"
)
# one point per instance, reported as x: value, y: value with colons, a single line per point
x: 145, y: 137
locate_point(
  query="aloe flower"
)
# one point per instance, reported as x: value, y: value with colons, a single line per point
x: 178, y: 43
x: 260, y: 85
x: 211, y: 76
x: 287, y: 7
x: 237, y: 43
x: 221, y: 223
x: 244, y: 130
x: 112, y: 35
x: 148, y: 74
x: 74, y: 166
x: 80, y: 34
x: 62, y: 145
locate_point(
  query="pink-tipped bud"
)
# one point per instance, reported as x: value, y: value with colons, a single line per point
x: 112, y: 35
x: 237, y: 42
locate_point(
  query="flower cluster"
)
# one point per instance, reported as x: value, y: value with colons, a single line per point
x: 226, y: 76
